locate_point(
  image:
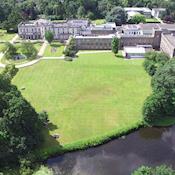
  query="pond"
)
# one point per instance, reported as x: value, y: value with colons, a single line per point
x: 147, y: 146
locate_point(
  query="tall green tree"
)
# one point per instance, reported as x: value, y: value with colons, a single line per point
x: 153, y: 61
x: 49, y: 36
x: 20, y: 126
x: 115, y: 45
x: 161, y: 103
x: 117, y: 15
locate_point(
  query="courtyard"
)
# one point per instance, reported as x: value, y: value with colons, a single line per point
x: 90, y: 97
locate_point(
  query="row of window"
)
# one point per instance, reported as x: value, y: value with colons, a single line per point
x: 56, y: 30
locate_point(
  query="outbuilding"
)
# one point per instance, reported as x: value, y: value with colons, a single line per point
x: 134, y: 52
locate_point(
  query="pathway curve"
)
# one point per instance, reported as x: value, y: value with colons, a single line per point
x: 2, y: 54
x: 42, y: 49
x: 41, y: 52
x: 14, y: 39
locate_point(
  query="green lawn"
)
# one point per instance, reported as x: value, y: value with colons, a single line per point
x: 4, y: 36
x: 152, y: 20
x: 91, y: 96
x: 55, y: 49
x: 99, y: 21
x: 1, y: 46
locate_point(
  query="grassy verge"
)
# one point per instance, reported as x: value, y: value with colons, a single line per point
x: 55, y: 49
x: 99, y: 21
x: 152, y: 20
x: 4, y: 36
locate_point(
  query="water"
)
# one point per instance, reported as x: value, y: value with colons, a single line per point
x: 148, y: 146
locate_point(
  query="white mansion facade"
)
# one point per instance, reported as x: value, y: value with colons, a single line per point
x: 62, y: 30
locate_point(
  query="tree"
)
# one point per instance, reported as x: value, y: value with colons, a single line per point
x: 49, y: 36
x: 81, y: 12
x: 136, y: 19
x: 159, y: 170
x: 161, y: 103
x: 117, y: 15
x: 143, y: 171
x: 29, y: 50
x: 20, y: 127
x: 71, y: 49
x: 14, y: 18
x: 115, y: 45
x: 153, y: 61
x: 9, y: 50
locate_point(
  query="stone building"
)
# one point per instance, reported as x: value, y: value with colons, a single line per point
x: 100, y: 42
x: 63, y: 30
x: 167, y: 44
x: 98, y: 37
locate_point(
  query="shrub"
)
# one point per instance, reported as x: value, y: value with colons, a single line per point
x: 159, y: 170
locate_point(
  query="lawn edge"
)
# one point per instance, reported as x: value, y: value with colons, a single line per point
x: 44, y: 154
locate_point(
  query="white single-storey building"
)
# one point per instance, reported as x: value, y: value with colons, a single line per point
x: 134, y: 52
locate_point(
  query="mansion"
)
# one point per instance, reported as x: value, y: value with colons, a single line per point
x: 62, y: 30
x: 98, y: 37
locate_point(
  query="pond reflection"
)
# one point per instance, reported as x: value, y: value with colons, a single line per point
x: 148, y: 146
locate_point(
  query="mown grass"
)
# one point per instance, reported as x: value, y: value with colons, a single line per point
x: 4, y: 36
x: 152, y: 20
x: 99, y: 21
x: 90, y: 100
x: 55, y: 49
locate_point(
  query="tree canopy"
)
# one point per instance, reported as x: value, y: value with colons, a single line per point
x: 115, y: 45
x: 49, y: 36
x: 20, y: 126
x: 136, y: 19
x: 117, y: 15
x: 161, y: 103
x: 153, y: 61
x: 12, y: 11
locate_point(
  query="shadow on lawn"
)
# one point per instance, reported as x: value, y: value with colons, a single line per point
x: 51, y: 145
x: 52, y: 127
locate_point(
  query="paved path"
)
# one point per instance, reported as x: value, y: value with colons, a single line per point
x: 91, y: 52
x: 28, y: 64
x: 14, y: 39
x: 53, y: 58
x: 42, y: 49
x: 41, y: 52
x: 2, y: 54
x: 160, y: 20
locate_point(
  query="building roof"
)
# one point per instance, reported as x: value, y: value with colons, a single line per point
x: 133, y: 13
x: 96, y: 37
x: 107, y: 26
x: 134, y: 49
x: 159, y: 9
x: 138, y: 9
x: 170, y: 38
